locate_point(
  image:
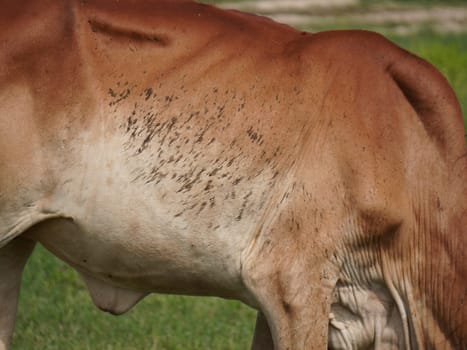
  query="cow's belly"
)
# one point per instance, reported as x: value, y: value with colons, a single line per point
x: 120, y: 267
x: 125, y: 258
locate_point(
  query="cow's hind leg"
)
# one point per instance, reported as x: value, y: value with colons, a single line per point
x: 297, y: 311
x: 290, y: 271
x: 13, y: 257
x: 263, y: 338
x: 294, y: 290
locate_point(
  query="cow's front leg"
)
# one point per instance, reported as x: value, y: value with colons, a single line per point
x: 262, y: 339
x: 13, y: 257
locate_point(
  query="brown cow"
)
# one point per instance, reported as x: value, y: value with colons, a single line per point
x: 166, y: 146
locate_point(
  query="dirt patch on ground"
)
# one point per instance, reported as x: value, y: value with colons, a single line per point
x: 318, y: 13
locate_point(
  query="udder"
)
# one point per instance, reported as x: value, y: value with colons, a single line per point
x: 364, y: 317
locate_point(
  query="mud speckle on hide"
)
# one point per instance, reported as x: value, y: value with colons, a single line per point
x: 148, y: 92
x: 156, y: 175
x: 168, y: 143
x: 149, y: 128
x: 174, y: 139
x: 208, y: 185
x: 286, y: 306
x: 191, y: 116
x: 294, y: 224
x: 244, y: 205
x: 202, y: 206
x: 131, y: 121
x: 284, y: 197
x: 112, y: 93
x: 119, y: 96
x: 211, y: 141
x: 169, y: 99
x: 276, y: 152
x: 188, y: 185
x: 214, y: 171
x: 200, y: 136
x: 254, y: 136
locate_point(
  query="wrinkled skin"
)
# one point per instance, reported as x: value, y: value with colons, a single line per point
x: 165, y: 146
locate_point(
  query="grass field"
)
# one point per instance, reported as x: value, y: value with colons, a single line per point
x: 56, y: 312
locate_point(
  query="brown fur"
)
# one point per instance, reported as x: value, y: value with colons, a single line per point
x: 359, y: 145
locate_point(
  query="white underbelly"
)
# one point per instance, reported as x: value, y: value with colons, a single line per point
x: 154, y: 238
x: 137, y: 258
